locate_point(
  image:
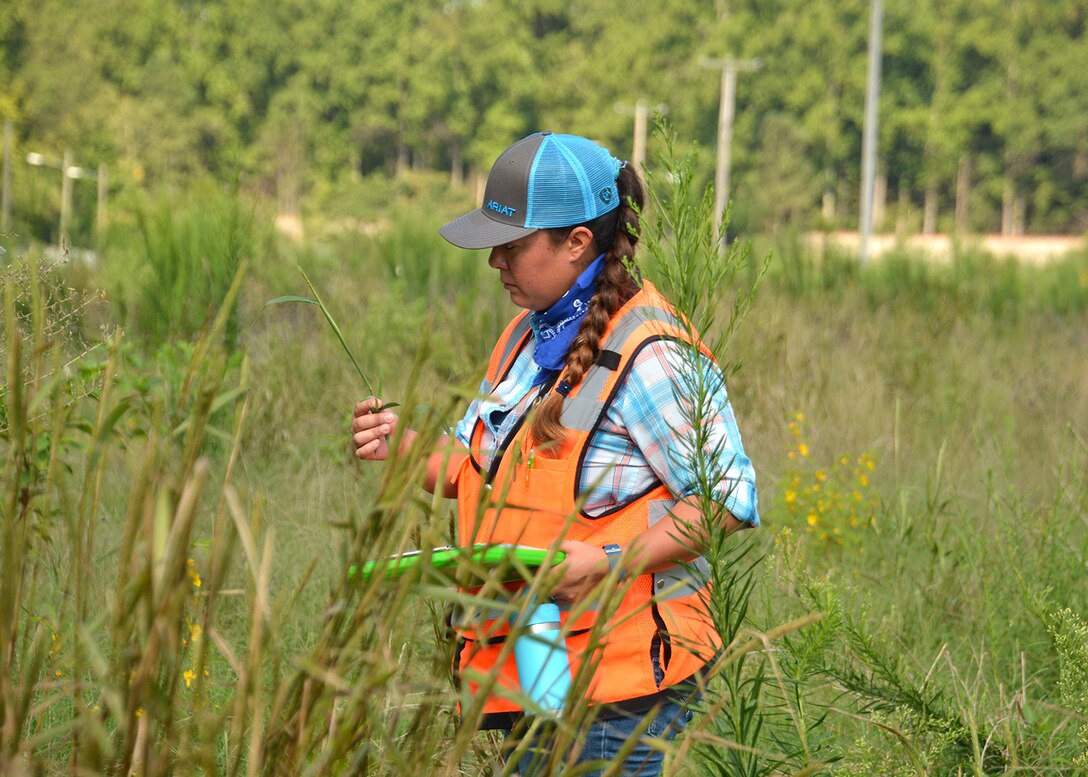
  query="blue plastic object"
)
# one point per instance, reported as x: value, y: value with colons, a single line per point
x: 542, y: 660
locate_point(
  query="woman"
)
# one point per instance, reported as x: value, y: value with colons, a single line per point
x: 580, y: 424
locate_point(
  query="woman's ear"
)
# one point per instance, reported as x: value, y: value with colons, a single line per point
x: 579, y: 242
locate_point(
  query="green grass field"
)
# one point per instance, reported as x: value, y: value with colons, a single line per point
x: 181, y: 507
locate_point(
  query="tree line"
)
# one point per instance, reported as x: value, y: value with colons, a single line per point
x: 984, y: 103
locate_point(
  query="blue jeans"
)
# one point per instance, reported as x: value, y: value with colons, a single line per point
x: 606, y: 738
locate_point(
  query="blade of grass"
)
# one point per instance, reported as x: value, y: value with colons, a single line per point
x: 336, y: 330
x: 316, y: 300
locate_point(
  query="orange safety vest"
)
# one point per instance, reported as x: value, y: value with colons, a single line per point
x: 661, y: 633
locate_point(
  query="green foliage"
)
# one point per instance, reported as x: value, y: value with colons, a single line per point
x: 1070, y: 635
x: 305, y: 100
x: 172, y: 268
x: 952, y: 644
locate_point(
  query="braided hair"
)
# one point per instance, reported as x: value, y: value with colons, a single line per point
x: 616, y: 234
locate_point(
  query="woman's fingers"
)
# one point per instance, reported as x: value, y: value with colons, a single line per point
x: 583, y: 568
x: 367, y: 406
x: 370, y: 430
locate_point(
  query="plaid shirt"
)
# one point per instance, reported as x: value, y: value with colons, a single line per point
x: 645, y: 437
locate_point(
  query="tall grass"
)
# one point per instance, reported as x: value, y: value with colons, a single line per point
x: 950, y: 628
x: 171, y: 265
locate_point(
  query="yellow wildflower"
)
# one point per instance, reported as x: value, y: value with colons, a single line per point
x: 802, y: 449
x: 194, y: 576
x: 189, y: 676
x: 812, y: 519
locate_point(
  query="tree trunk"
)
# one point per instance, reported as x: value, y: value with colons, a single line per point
x: 929, y: 210
x: 963, y: 195
x: 1080, y: 165
x: 828, y: 205
x: 400, y: 166
x: 880, y: 197
x: 1008, y: 197
x: 478, y: 183
x: 902, y: 211
x: 457, y: 172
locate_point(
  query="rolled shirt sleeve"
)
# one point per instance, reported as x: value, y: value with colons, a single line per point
x: 675, y: 407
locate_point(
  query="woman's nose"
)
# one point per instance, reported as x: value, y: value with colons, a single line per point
x: 495, y: 260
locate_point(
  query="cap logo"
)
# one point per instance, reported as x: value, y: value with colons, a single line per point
x: 605, y: 195
x: 502, y: 210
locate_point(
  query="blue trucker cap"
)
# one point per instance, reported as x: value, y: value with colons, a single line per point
x: 545, y: 180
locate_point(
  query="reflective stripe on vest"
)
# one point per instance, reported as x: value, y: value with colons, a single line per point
x: 581, y: 411
x: 517, y: 334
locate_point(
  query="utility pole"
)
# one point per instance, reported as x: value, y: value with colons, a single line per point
x: 868, y: 141
x: 726, y: 112
x: 641, y: 113
x: 5, y: 186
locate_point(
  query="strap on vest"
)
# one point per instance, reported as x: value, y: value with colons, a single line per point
x: 581, y: 412
x: 610, y: 360
x: 517, y: 334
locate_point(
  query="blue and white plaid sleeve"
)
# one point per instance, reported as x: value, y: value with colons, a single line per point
x: 463, y: 430
x: 658, y: 408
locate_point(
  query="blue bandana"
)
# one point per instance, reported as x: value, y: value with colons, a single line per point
x: 556, y: 327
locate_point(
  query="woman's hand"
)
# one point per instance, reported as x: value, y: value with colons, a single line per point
x: 371, y: 431
x: 583, y: 568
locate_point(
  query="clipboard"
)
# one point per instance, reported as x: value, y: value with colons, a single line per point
x: 504, y: 557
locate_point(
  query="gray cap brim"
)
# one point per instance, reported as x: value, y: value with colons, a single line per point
x: 478, y: 230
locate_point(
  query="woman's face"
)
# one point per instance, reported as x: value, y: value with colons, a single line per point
x: 538, y: 271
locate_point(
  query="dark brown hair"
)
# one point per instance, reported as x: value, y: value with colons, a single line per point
x: 616, y: 234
